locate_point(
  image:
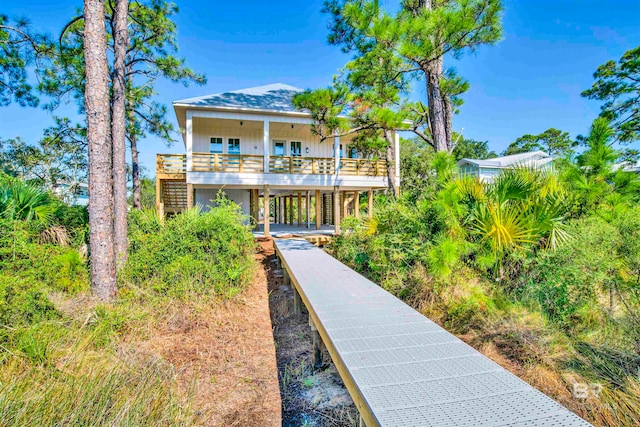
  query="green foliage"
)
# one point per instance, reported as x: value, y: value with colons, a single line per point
x: 208, y: 253
x: 65, y: 360
x: 22, y: 303
x: 554, y: 142
x: 21, y: 201
x: 472, y: 149
x: 415, y: 168
x: 618, y: 86
x: 394, y: 48
x: 152, y: 54
x: 568, y: 279
x: 19, y: 49
x: 59, y: 158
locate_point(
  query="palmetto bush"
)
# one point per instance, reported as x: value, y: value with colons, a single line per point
x: 25, y: 202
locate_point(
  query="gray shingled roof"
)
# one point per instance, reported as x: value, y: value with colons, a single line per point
x: 512, y: 160
x: 273, y: 97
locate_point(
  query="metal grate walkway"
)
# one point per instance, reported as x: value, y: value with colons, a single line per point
x: 401, y: 368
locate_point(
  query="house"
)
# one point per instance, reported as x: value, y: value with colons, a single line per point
x: 487, y: 169
x: 74, y: 194
x: 254, y: 145
x: 628, y: 167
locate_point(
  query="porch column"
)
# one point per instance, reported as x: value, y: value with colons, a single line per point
x: 266, y: 146
x: 356, y: 204
x: 281, y: 207
x: 370, y: 203
x: 159, y: 198
x: 308, y: 206
x: 318, y: 210
x: 267, y: 212
x: 286, y: 209
x: 275, y: 210
x: 189, y: 196
x: 290, y: 210
x: 336, y: 210
x: 336, y: 153
x: 255, y: 206
x: 189, y: 140
x: 345, y: 204
x: 299, y: 209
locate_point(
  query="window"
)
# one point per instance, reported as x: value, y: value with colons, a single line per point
x: 296, y: 148
x: 234, y: 146
x: 333, y: 152
x: 353, y: 153
x: 278, y: 148
x: 216, y: 145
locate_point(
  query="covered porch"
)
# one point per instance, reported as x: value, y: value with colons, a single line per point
x: 278, y: 212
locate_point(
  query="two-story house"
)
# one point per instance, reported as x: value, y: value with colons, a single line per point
x: 254, y: 145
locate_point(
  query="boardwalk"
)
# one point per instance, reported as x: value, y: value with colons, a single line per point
x: 400, y: 368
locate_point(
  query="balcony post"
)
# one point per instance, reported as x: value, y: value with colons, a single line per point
x: 266, y: 146
x: 189, y: 140
x: 370, y: 213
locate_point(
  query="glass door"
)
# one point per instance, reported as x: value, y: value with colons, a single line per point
x: 278, y: 148
x: 296, y: 148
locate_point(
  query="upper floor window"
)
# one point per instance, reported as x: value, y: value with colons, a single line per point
x: 353, y: 153
x: 296, y: 148
x: 216, y: 145
x: 234, y: 146
x: 333, y: 152
x: 278, y: 148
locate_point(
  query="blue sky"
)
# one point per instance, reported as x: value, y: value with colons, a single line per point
x: 527, y: 83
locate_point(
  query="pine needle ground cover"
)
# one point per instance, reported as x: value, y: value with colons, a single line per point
x: 67, y: 360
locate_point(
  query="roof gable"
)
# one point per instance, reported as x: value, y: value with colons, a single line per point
x: 274, y: 97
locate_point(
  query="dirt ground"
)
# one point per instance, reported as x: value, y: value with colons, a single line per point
x: 224, y: 356
x: 310, y: 397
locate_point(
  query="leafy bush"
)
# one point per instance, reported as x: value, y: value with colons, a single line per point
x: 205, y: 253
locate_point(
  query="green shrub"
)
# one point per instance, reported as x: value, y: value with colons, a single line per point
x: 23, y: 302
x: 567, y: 279
x: 206, y: 253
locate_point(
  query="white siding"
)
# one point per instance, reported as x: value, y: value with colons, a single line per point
x: 251, y: 137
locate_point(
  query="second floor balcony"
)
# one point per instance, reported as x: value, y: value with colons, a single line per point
x: 171, y: 164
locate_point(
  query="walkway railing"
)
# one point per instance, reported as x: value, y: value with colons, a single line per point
x: 248, y: 163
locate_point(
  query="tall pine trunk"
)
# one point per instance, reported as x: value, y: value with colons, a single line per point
x: 96, y: 94
x: 439, y: 113
x: 118, y: 128
x: 437, y: 108
x: 391, y: 162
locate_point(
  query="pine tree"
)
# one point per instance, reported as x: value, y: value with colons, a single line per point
x: 96, y: 101
x: 414, y: 41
